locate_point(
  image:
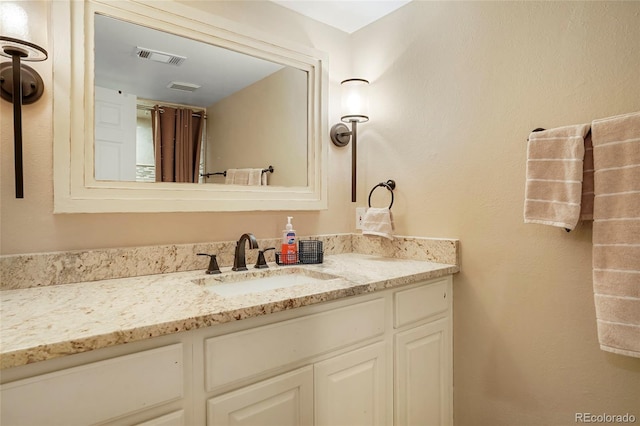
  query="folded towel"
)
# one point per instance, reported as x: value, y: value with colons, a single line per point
x: 616, y: 232
x: 553, y: 189
x: 255, y: 177
x: 245, y: 177
x: 378, y: 221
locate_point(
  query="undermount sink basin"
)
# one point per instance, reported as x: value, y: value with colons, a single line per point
x: 254, y: 281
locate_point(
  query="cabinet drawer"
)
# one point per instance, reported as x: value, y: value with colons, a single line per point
x: 418, y: 303
x: 95, y: 392
x: 265, y: 348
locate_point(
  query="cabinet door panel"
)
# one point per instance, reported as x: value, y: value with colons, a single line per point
x: 422, y: 378
x: 350, y: 388
x: 285, y: 400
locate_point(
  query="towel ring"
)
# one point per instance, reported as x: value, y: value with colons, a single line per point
x: 390, y: 185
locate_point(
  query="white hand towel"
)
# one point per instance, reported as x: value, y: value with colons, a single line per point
x: 245, y: 177
x: 378, y: 221
x: 236, y: 177
x: 255, y: 177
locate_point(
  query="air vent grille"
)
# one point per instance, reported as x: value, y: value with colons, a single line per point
x: 186, y: 87
x: 158, y: 56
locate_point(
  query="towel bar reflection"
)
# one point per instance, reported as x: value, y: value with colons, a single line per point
x: 390, y: 185
x: 269, y: 169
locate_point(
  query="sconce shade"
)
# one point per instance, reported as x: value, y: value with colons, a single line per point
x: 355, y: 100
x: 14, y: 22
x: 10, y: 47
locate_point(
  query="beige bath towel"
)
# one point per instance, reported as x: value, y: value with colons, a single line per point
x: 616, y: 232
x: 245, y: 177
x: 378, y: 221
x: 553, y: 189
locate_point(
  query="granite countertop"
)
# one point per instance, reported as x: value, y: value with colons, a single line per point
x: 42, y: 323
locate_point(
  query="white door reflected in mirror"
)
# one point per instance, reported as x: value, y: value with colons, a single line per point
x: 115, y: 135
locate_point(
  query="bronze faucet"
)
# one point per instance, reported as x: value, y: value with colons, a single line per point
x: 239, y: 262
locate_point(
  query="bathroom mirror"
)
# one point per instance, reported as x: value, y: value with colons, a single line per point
x: 240, y: 97
x: 290, y: 81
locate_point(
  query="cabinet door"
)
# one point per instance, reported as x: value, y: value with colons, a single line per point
x: 285, y: 400
x: 423, y: 375
x: 350, y: 388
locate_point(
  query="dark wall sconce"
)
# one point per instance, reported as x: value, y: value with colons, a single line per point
x: 19, y: 84
x: 355, y: 109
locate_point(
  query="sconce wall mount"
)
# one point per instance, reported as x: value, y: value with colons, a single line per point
x: 32, y: 84
x: 20, y: 84
x: 340, y: 134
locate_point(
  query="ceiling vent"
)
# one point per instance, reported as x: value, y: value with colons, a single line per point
x: 185, y: 87
x: 157, y: 56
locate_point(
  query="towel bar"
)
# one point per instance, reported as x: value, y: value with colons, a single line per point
x: 390, y: 185
x: 539, y: 129
x: 268, y: 169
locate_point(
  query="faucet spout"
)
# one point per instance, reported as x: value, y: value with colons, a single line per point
x: 239, y: 261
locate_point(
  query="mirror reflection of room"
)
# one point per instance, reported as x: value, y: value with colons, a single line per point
x: 234, y: 111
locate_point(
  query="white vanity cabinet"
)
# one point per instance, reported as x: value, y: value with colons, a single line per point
x: 348, y: 389
x: 380, y: 359
x: 317, y: 362
x: 376, y: 359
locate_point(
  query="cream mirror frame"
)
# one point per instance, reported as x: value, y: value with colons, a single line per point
x: 75, y: 188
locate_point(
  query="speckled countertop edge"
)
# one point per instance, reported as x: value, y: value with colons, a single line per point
x: 43, y: 323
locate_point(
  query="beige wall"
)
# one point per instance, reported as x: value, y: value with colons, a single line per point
x: 457, y: 87
x: 263, y: 124
x: 28, y: 225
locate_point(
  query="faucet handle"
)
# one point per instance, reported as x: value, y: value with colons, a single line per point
x: 213, y: 264
x: 262, y: 263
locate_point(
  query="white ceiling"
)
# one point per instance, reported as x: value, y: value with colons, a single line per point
x: 348, y: 16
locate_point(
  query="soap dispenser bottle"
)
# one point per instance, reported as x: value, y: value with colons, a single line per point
x: 289, y: 243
